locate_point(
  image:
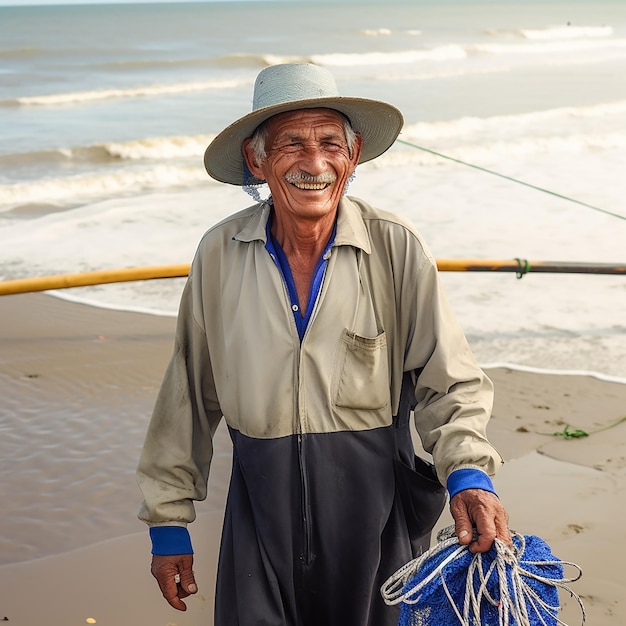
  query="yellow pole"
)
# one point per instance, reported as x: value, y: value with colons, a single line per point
x: 523, y: 266
x: 64, y: 281
x: 518, y: 266
x: 476, y: 265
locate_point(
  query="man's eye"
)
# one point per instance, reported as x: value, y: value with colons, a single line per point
x: 332, y: 147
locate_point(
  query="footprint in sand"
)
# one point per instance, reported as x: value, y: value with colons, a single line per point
x: 574, y: 528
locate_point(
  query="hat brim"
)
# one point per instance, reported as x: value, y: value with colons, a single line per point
x: 377, y: 122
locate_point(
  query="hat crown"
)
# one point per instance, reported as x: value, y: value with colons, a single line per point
x: 292, y: 82
x: 292, y: 87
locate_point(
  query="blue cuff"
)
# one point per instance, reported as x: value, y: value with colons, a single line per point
x: 469, y: 478
x: 169, y: 540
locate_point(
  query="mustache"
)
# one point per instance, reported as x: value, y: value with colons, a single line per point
x: 305, y: 177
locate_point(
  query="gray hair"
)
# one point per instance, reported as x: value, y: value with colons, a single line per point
x: 257, y: 141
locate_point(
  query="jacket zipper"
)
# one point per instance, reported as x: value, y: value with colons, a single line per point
x: 305, y: 503
x: 306, y: 557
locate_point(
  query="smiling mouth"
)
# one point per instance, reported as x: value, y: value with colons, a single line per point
x: 311, y: 186
x: 306, y: 182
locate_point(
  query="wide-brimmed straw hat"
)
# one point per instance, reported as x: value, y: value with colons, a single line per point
x: 294, y: 86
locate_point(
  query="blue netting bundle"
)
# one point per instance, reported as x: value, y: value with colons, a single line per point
x: 504, y: 587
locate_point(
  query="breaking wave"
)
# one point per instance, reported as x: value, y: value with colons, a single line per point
x: 560, y: 32
x: 79, y: 97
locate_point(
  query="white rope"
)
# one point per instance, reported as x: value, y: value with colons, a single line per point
x: 517, y: 599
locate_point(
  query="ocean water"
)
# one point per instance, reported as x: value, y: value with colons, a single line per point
x: 105, y: 112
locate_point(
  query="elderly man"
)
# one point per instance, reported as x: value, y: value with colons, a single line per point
x: 303, y: 318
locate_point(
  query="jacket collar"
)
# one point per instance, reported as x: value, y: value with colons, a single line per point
x: 351, y: 230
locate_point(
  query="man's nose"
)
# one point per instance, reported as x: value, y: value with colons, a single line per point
x: 315, y: 155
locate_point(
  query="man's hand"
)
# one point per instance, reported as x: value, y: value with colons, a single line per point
x: 175, y: 577
x: 482, y: 510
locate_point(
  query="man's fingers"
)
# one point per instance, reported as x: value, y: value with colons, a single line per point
x: 484, y: 539
x: 173, y: 598
x: 462, y: 522
x: 485, y: 531
x: 480, y: 510
x: 188, y: 582
x: 171, y: 592
x: 175, y: 577
x: 502, y: 529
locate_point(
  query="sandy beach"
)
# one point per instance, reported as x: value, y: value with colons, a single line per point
x: 77, y: 386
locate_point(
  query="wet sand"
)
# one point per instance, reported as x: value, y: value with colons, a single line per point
x: 77, y: 386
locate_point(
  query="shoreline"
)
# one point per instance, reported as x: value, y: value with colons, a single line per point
x: 78, y: 383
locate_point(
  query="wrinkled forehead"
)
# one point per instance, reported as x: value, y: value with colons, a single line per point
x: 303, y: 120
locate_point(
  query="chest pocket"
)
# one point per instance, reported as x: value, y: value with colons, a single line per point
x: 361, y: 378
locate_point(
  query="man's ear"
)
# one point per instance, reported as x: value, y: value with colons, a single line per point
x: 248, y: 155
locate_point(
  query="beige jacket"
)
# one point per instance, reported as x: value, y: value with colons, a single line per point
x: 381, y: 311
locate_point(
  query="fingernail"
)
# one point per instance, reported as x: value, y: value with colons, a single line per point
x: 192, y: 588
x: 463, y: 533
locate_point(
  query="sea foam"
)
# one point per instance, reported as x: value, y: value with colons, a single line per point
x: 130, y: 92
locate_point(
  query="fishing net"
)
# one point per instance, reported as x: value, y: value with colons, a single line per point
x: 506, y: 586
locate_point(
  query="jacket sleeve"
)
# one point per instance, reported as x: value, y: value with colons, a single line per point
x: 454, y: 396
x: 174, y: 464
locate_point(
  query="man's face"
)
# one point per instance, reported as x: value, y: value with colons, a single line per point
x: 308, y: 162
